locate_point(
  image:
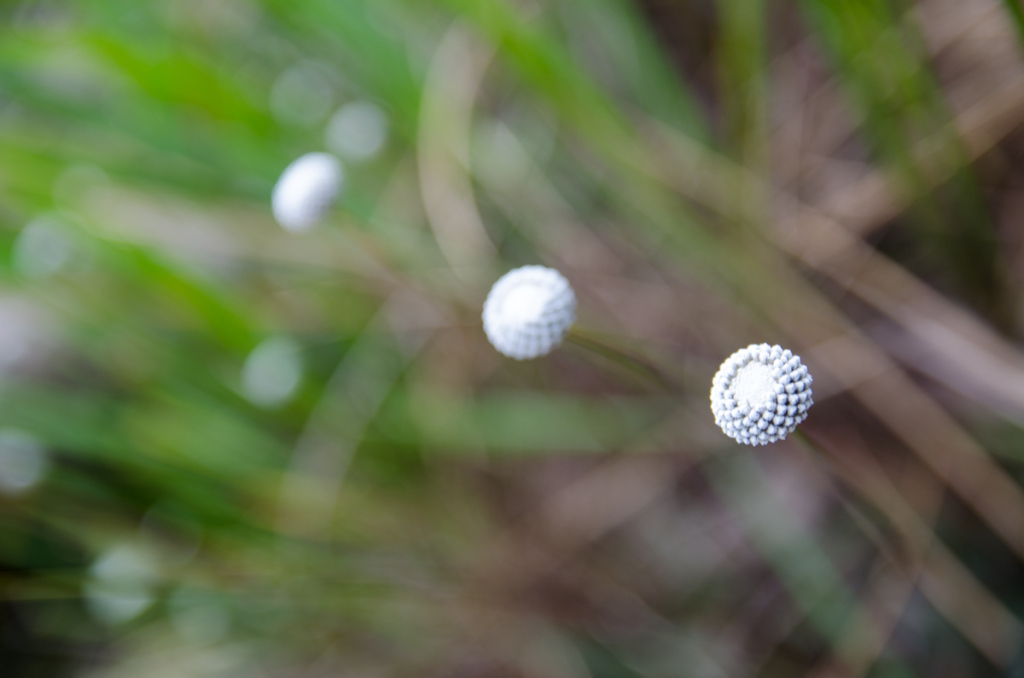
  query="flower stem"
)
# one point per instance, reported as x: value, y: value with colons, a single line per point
x: 624, y: 358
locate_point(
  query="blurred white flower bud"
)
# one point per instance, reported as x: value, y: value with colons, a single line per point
x: 760, y: 394
x: 272, y: 372
x: 303, y: 94
x: 358, y: 130
x: 306, y: 190
x: 528, y: 312
x: 121, y: 584
x: 23, y: 461
x: 43, y: 248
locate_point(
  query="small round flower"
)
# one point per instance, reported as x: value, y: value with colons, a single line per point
x: 528, y: 312
x: 760, y: 394
x: 306, y: 190
x: 357, y: 131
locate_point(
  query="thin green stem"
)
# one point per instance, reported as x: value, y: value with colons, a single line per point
x: 630, y: 361
x: 1016, y: 11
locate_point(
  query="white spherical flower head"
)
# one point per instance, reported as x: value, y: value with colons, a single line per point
x: 760, y: 394
x: 528, y: 312
x: 306, y: 190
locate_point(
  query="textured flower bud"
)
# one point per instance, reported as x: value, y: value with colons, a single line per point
x: 760, y: 394
x: 528, y: 312
x: 306, y: 190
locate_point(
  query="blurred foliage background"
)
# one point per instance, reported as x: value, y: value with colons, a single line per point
x: 226, y: 450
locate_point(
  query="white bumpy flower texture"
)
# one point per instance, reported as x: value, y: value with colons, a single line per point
x: 760, y: 394
x: 528, y: 312
x: 306, y: 190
